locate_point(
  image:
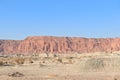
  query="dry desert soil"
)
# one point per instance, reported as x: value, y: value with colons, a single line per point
x: 97, y: 66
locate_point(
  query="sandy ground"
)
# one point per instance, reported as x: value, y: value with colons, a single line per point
x: 65, y: 71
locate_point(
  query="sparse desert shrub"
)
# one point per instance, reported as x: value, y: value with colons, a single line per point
x: 59, y: 60
x: 94, y: 63
x: 65, y: 61
x: 55, y: 55
x: 20, y: 60
x: 1, y: 63
x: 71, y: 61
x: 4, y: 63
x: 28, y: 61
x: 31, y: 61
x: 70, y: 57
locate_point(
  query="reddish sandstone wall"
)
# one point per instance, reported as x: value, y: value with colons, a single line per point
x: 38, y: 44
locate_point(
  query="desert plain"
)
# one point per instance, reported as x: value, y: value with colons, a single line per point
x: 60, y: 58
x: 87, y: 66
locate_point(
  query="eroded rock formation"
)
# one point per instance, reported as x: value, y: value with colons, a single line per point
x: 40, y: 44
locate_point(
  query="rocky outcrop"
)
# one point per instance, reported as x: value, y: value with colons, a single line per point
x: 9, y: 46
x: 40, y: 44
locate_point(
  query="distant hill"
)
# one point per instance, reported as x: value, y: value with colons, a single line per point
x: 51, y: 44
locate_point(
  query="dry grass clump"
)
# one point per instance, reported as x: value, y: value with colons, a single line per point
x: 65, y: 61
x: 4, y: 62
x: 1, y: 63
x: 31, y: 61
x: 15, y: 61
x: 70, y: 57
x: 19, y: 60
x: 94, y: 63
x: 59, y: 60
x: 28, y: 61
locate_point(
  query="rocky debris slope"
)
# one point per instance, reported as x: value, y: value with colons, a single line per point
x: 44, y: 44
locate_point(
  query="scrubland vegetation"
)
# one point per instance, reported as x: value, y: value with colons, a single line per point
x: 97, y: 66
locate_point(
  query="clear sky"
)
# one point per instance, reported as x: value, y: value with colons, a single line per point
x: 78, y: 18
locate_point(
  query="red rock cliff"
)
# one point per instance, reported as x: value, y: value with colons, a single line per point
x: 39, y: 44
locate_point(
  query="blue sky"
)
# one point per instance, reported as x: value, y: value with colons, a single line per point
x: 78, y: 18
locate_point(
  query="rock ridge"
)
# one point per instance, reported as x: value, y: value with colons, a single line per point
x: 51, y: 44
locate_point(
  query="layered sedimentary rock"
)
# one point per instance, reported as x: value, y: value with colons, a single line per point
x: 50, y: 44
x: 9, y: 46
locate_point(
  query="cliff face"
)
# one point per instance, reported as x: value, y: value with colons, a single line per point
x: 39, y: 44
x: 9, y: 46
